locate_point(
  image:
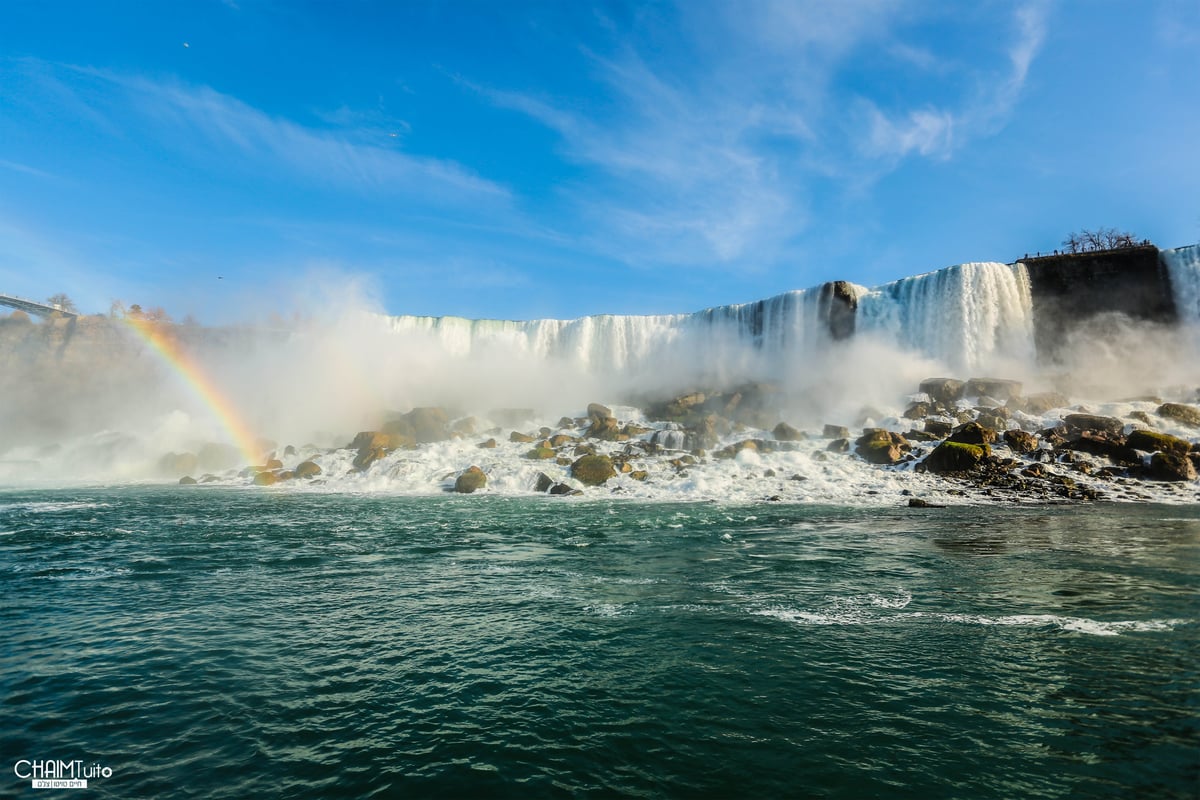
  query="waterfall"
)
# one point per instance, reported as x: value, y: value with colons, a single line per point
x: 966, y: 315
x: 1183, y: 267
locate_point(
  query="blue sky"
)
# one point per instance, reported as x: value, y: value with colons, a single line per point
x: 557, y: 159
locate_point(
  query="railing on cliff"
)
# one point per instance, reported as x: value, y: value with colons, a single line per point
x: 34, y: 307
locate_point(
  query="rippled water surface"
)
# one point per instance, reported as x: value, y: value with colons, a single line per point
x: 219, y: 642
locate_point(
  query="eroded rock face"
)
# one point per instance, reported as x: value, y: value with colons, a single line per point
x: 471, y: 480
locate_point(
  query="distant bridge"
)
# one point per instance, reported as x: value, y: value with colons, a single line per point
x: 33, y: 307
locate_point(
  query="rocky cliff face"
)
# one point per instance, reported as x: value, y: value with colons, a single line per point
x: 1071, y: 290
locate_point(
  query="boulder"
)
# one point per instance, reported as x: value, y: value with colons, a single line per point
x: 368, y: 440
x: 952, y: 456
x: 472, y: 479
x: 972, y: 433
x: 731, y: 451
x: 543, y: 483
x: 540, y: 452
x: 1172, y: 467
x: 606, y: 429
x: 307, y: 469
x: 786, y: 433
x: 429, y: 424
x: 1021, y: 441
x: 943, y: 390
x: 562, y: 488
x: 835, y: 432
x: 1078, y: 423
x: 1188, y: 415
x: 1153, y: 442
x: 998, y: 388
x: 524, y: 438
x: 1040, y: 402
x: 595, y: 411
x: 266, y: 479
x: 917, y: 411
x: 187, y: 480
x: 490, y: 444
x: 593, y: 470
x: 838, y: 446
x: 939, y: 428
x: 878, y: 446
x: 368, y: 456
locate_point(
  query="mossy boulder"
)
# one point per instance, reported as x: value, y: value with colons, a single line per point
x: 878, y: 446
x: 1153, y: 442
x: 973, y: 433
x: 1172, y: 467
x: 593, y: 470
x: 1188, y: 415
x: 523, y: 438
x: 472, y: 479
x: 307, y: 469
x: 540, y: 452
x: 956, y: 457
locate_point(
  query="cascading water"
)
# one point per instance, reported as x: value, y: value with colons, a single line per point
x: 1183, y: 267
x: 967, y: 315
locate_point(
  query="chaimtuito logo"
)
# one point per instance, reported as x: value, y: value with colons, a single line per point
x: 52, y: 773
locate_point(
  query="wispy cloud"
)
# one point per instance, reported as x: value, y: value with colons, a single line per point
x: 714, y: 155
x: 935, y: 132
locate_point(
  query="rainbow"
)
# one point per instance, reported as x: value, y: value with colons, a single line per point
x: 161, y: 341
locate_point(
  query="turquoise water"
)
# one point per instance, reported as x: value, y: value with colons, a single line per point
x: 223, y: 642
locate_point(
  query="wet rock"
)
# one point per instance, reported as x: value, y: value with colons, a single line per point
x: 472, y: 479
x: 368, y: 456
x: 972, y: 433
x: 606, y: 429
x: 1188, y: 415
x: 939, y: 428
x: 786, y: 433
x: 543, y: 483
x: 595, y: 412
x: 1020, y: 441
x: 952, y: 456
x: 1172, y: 467
x: 490, y: 444
x: 523, y: 438
x: 187, y: 480
x: 266, y: 479
x: 541, y: 452
x: 997, y: 388
x: 1040, y: 402
x: 943, y: 390
x: 593, y: 470
x: 838, y: 446
x: 307, y: 469
x: 836, y: 432
x: 1151, y: 441
x: 878, y: 446
x: 917, y: 411
x: 916, y: 502
x: 1079, y: 423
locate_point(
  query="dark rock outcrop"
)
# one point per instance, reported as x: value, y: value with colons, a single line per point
x: 956, y: 457
x: 878, y: 446
x: 1152, y: 442
x: 943, y: 390
x: 1188, y: 415
x: 1172, y: 467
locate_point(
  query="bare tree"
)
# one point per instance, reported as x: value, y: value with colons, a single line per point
x: 1088, y: 241
x: 62, y: 303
